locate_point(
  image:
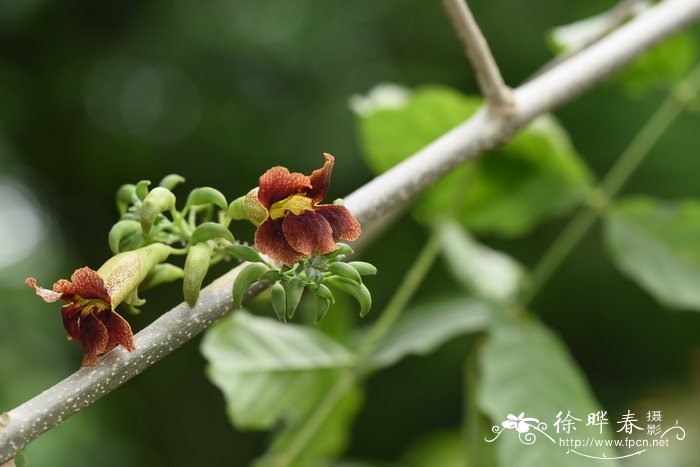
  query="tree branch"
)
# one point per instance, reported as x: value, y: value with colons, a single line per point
x: 488, y: 75
x: 372, y: 203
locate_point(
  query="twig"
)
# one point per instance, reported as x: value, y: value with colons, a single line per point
x: 488, y: 75
x: 372, y: 204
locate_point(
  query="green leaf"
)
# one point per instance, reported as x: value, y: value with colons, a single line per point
x: 507, y: 192
x: 663, y: 65
x: 572, y: 37
x: 423, y: 328
x: 268, y: 370
x: 488, y: 273
x: 443, y: 449
x: 329, y: 440
x: 526, y: 368
x: 657, y: 244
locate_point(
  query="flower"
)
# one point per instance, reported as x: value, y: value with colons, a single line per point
x: 292, y: 223
x: 520, y: 423
x: 92, y: 296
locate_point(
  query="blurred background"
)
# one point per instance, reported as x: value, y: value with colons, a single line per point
x: 97, y: 94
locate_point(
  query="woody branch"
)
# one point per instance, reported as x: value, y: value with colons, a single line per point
x: 372, y: 203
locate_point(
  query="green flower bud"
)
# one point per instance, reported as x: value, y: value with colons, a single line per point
x: 124, y: 272
x: 196, y: 267
x: 358, y: 291
x: 171, y: 181
x: 364, y: 269
x: 209, y: 231
x: 247, y: 277
x: 119, y: 232
x: 125, y: 196
x: 161, y: 274
x: 322, y: 306
x: 295, y: 289
x: 206, y: 195
x: 244, y: 252
x: 278, y: 297
x: 158, y: 200
x: 255, y: 211
x: 345, y: 270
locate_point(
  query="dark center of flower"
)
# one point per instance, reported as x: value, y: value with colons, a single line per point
x: 295, y: 203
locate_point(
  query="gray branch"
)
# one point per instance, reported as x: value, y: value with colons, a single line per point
x: 375, y: 204
x: 495, y: 90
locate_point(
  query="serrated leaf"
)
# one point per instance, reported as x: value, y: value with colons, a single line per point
x: 526, y: 368
x: 488, y: 273
x: 268, y: 370
x: 508, y: 191
x: 657, y: 244
x: 422, y: 329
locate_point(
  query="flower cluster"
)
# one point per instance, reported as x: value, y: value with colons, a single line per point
x: 296, y: 247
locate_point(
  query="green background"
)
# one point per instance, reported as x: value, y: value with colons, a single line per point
x: 94, y: 95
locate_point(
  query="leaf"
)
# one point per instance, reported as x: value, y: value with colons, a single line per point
x: 329, y: 441
x: 663, y: 65
x: 424, y: 328
x: 656, y: 244
x: 526, y: 368
x: 488, y: 273
x: 507, y: 192
x: 444, y: 449
x: 268, y: 370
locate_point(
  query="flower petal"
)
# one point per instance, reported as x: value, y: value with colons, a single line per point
x: 277, y: 184
x: 509, y: 424
x: 84, y: 283
x: 344, y: 224
x: 93, y: 336
x: 320, y: 179
x: 522, y: 427
x: 270, y: 240
x: 308, y: 233
x: 118, y: 330
x: 48, y: 295
x: 71, y: 315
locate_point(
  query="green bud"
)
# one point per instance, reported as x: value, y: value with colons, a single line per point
x: 278, y: 297
x: 209, y: 231
x: 324, y: 292
x: 123, y: 273
x: 322, y: 306
x: 364, y: 269
x: 161, y: 274
x: 119, y: 232
x: 345, y: 270
x: 244, y: 252
x: 196, y: 267
x: 254, y: 211
x: 295, y: 289
x: 206, y: 195
x: 247, y: 277
x: 158, y: 200
x: 343, y: 249
x: 313, y: 275
x: 358, y: 291
x: 236, y: 211
x: 272, y: 275
x: 134, y: 300
x: 141, y: 189
x: 125, y: 196
x: 171, y: 181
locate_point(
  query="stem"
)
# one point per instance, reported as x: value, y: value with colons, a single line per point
x: 601, y: 196
x: 488, y: 75
x: 412, y: 280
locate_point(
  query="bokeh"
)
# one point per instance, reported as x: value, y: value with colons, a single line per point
x: 97, y: 94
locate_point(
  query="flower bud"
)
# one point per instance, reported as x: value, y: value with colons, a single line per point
x: 206, y: 195
x: 124, y: 272
x: 196, y: 267
x: 158, y: 200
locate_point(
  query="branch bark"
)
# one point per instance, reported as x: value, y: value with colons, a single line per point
x: 373, y: 204
x: 491, y: 83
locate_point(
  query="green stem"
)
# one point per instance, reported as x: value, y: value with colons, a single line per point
x: 411, y: 281
x: 600, y: 197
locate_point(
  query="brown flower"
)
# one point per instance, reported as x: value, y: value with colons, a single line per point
x: 92, y: 296
x: 293, y: 225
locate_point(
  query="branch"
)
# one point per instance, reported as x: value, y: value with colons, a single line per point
x: 373, y: 203
x: 488, y: 75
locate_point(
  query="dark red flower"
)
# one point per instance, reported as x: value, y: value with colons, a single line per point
x: 88, y: 317
x: 295, y: 225
x: 92, y: 296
